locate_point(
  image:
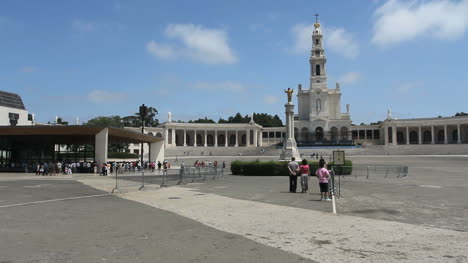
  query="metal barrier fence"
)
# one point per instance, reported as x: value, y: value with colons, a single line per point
x: 165, y: 178
x: 339, y: 173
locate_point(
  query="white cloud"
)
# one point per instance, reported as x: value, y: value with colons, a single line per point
x: 350, y: 77
x: 337, y: 40
x: 398, y: 21
x: 98, y: 96
x: 162, y: 51
x: 302, y: 34
x: 271, y: 99
x: 342, y: 42
x: 202, y: 44
x: 224, y: 85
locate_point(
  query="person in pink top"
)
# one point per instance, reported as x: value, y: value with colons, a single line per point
x: 304, y: 172
x: 323, y: 175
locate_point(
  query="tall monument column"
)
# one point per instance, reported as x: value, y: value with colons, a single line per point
x: 289, y: 146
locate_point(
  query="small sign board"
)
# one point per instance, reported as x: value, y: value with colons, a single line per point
x: 338, y: 157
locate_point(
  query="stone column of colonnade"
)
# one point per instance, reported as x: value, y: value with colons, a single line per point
x: 247, y: 138
x: 432, y: 135
x: 255, y: 134
x: 226, y: 138
x: 445, y: 135
x: 185, y: 137
x: 237, y: 139
x: 195, y: 138
x: 216, y: 138
x: 173, y: 141
x: 459, y: 134
x: 206, y: 135
x: 394, y: 135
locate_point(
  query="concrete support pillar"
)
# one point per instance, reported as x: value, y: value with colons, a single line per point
x: 445, y: 135
x: 255, y: 138
x: 185, y: 137
x: 394, y: 135
x: 237, y: 139
x: 365, y: 135
x: 459, y: 134
x: 206, y: 136
x: 419, y: 135
x: 247, y: 138
x: 101, y: 144
x: 432, y: 135
x: 157, y: 151
x: 216, y: 138
x: 226, y: 139
x: 407, y: 135
x: 173, y: 138
x: 195, y: 138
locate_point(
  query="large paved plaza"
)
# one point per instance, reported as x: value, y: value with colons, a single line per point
x: 420, y: 218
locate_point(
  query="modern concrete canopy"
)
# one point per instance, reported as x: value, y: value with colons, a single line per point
x: 100, y: 137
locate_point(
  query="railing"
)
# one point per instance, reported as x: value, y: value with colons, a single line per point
x: 166, y: 177
x: 340, y: 173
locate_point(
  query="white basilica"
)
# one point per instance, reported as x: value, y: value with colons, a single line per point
x: 319, y: 119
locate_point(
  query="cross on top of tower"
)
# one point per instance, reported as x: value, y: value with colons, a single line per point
x: 317, y: 24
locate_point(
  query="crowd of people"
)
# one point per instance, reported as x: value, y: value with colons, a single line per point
x: 303, y: 171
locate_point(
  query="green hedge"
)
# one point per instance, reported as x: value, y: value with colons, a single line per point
x: 257, y: 168
x: 278, y: 168
x: 122, y: 155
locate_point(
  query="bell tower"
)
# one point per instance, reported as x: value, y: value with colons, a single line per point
x: 318, y: 61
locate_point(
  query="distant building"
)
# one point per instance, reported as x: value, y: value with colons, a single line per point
x: 12, y: 110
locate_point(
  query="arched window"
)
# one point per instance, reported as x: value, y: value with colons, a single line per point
x: 159, y: 135
x: 232, y: 139
x: 317, y: 70
x: 455, y: 135
x: 150, y: 133
x: 318, y: 105
x: 319, y: 134
x: 317, y: 42
x: 221, y: 139
x: 317, y: 53
x: 244, y: 139
x: 209, y: 139
x: 413, y: 137
x: 400, y: 138
x: 440, y: 136
x: 334, y: 133
x: 427, y: 137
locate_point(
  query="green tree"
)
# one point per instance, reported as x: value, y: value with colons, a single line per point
x: 112, y: 121
x: 461, y: 114
x: 205, y: 120
x: 135, y: 120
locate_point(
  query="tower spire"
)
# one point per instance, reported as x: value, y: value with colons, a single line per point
x: 316, y: 17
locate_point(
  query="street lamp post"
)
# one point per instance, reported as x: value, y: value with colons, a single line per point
x: 143, y: 112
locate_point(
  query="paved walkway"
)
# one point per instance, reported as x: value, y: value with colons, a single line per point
x: 316, y: 235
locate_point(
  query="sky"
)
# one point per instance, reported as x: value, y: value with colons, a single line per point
x: 196, y: 59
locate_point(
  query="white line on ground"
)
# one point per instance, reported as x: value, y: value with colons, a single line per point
x: 54, y: 200
x: 430, y: 186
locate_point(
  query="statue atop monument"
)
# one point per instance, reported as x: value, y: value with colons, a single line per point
x: 337, y: 85
x: 389, y: 113
x: 289, y: 91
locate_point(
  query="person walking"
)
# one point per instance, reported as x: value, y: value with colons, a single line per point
x: 293, y: 168
x: 304, y: 171
x: 323, y: 175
